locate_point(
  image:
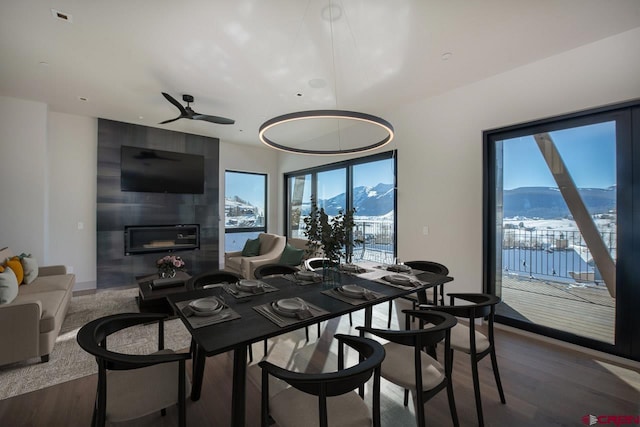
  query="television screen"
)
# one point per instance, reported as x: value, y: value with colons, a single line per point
x: 157, y: 171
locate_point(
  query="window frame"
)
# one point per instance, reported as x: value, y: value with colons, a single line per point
x: 262, y: 229
x: 348, y: 165
x: 627, y: 115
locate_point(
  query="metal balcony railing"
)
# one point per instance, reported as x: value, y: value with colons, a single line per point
x: 550, y: 253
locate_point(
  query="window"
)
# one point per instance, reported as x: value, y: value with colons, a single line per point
x: 559, y: 228
x: 245, y: 204
x: 367, y: 184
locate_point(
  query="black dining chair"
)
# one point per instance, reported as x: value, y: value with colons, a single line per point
x: 278, y: 270
x: 273, y: 270
x: 432, y: 267
x: 407, y: 364
x: 322, y: 399
x: 131, y: 386
x: 316, y: 264
x: 214, y: 277
x: 467, y: 339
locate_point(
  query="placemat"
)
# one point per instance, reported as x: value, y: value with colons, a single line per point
x: 333, y: 293
x: 199, y: 321
x: 267, y: 311
x: 354, y: 270
x: 233, y: 290
x: 301, y: 281
x: 414, y: 282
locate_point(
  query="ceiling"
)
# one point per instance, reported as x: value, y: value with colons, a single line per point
x: 251, y: 60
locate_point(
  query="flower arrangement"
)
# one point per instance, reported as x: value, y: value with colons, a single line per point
x: 168, y: 265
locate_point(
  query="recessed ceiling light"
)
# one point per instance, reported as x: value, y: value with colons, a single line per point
x: 82, y: 98
x: 63, y: 16
x: 445, y: 56
x: 299, y: 94
x: 140, y: 117
x: 43, y: 63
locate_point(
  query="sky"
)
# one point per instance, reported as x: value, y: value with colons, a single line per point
x: 367, y: 174
x: 248, y: 186
x: 588, y: 152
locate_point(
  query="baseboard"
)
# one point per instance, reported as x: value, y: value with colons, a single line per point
x: 595, y: 353
x: 85, y: 286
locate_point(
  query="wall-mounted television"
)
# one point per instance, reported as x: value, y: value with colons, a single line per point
x: 158, y: 171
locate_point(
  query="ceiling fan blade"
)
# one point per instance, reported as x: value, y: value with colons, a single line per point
x: 179, y: 106
x: 170, y: 120
x: 213, y: 119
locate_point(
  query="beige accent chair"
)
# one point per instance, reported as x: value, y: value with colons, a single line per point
x: 300, y: 243
x: 271, y: 247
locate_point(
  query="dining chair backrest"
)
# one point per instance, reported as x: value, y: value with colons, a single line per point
x: 467, y: 339
x: 427, y: 380
x: 313, y: 264
x: 163, y: 371
x: 273, y: 269
x: 430, y: 266
x: 211, y: 278
x: 331, y: 384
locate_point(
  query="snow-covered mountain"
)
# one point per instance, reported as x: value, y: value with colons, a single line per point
x: 370, y: 201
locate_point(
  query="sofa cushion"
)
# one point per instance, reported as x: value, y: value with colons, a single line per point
x: 53, y: 304
x: 251, y: 247
x: 30, y: 267
x: 15, y: 264
x: 291, y: 256
x: 60, y: 282
x: 8, y: 286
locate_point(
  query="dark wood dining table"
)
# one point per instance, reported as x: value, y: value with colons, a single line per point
x: 253, y: 327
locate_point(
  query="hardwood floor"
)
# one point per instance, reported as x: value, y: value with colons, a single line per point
x: 545, y: 385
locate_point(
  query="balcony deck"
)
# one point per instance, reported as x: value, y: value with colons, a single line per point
x: 582, y: 309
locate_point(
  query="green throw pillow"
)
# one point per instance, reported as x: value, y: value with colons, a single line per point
x: 291, y: 256
x: 8, y: 286
x: 251, y: 248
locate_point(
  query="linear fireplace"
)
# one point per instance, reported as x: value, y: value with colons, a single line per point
x: 142, y: 239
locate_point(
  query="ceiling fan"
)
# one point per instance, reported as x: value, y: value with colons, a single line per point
x: 188, y: 113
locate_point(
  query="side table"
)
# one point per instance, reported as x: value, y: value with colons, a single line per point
x: 154, y: 300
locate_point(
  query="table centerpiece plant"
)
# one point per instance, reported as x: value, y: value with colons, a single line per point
x: 168, y: 266
x: 332, y: 235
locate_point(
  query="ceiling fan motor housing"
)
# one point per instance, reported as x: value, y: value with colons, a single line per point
x: 187, y: 98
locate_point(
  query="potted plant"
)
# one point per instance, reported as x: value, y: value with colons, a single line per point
x: 331, y: 235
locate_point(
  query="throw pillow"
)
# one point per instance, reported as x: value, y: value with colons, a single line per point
x: 251, y: 247
x: 8, y: 286
x: 30, y: 267
x: 291, y: 256
x: 16, y: 266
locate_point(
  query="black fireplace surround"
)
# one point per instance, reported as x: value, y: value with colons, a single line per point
x: 142, y: 239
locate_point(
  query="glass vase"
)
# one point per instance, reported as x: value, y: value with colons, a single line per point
x: 167, y: 274
x: 331, y: 274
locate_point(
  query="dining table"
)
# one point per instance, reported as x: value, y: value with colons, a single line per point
x: 248, y: 321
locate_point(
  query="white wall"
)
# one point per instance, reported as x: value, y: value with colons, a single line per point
x: 72, y: 147
x: 23, y: 174
x: 439, y: 142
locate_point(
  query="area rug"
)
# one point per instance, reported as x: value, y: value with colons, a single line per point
x: 69, y: 362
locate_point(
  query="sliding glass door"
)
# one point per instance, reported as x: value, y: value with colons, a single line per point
x: 559, y: 227
x: 366, y: 184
